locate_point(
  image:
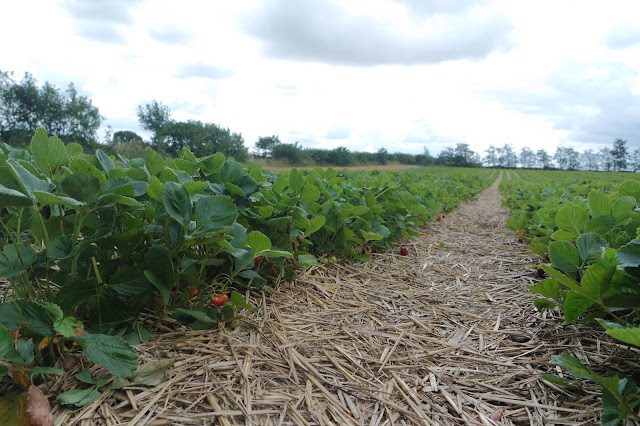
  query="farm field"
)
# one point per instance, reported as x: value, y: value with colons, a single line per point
x: 195, y: 290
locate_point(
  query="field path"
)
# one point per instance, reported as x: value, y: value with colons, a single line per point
x: 445, y: 335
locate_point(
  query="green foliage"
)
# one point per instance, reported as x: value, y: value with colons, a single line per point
x: 589, y: 231
x: 24, y: 107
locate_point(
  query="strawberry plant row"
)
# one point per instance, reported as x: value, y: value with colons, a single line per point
x: 588, y: 232
x: 92, y: 242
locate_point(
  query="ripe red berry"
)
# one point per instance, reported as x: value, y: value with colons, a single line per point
x: 540, y: 272
x: 258, y: 260
x: 519, y: 240
x: 546, y: 258
x: 404, y: 251
x: 423, y: 234
x: 192, y: 291
x: 219, y: 300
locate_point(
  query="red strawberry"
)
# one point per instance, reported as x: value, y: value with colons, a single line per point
x: 404, y: 251
x: 192, y: 291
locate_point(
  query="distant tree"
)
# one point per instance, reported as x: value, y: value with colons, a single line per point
x: 126, y: 136
x: 382, y: 156
x: 635, y: 160
x: 560, y: 158
x: 265, y: 145
x: 292, y: 153
x: 605, y: 159
x: 573, y: 158
x: 543, y: 159
x: 527, y: 158
x: 24, y: 107
x: 340, y: 156
x: 589, y: 159
x: 491, y: 158
x: 619, y: 154
x: 153, y: 117
x: 507, y: 156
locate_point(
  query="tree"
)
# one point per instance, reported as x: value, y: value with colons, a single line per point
x: 619, y: 154
x: 492, y: 156
x: 292, y: 153
x: 635, y: 160
x: 507, y: 156
x: 24, y: 107
x: 606, y: 159
x: 340, y: 156
x: 153, y: 117
x: 382, y: 156
x: 527, y: 158
x: 265, y: 145
x: 573, y: 158
x: 589, y: 159
x: 126, y: 136
x: 543, y: 159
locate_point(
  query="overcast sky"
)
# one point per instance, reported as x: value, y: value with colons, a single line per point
x: 365, y: 74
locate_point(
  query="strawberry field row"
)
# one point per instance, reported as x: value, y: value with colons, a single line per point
x: 588, y: 232
x: 92, y: 242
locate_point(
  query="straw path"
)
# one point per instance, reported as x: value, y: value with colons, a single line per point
x: 444, y: 336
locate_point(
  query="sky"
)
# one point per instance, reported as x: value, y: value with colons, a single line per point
x: 365, y: 74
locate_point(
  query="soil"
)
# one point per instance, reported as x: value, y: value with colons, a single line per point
x: 447, y: 335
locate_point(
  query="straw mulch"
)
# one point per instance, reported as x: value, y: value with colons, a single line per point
x: 446, y: 335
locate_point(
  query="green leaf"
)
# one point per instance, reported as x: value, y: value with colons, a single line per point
x: 310, y: 194
x: 564, y: 256
x: 85, y: 376
x: 198, y: 315
x: 79, y: 397
x: 15, y: 260
x: 547, y: 288
x: 238, y: 300
x: 160, y: 285
x: 599, y: 203
x: 212, y: 163
x: 177, y: 203
x: 28, y: 182
x: 73, y: 149
x: 46, y: 198
x: 111, y: 352
x: 622, y: 208
x: 627, y: 334
x: 572, y: 219
x: 572, y: 366
x: 601, y: 224
x: 155, y: 188
x: 630, y: 188
x: 46, y: 370
x: 80, y: 165
x: 105, y: 161
x: 315, y: 223
x: 596, y: 280
x: 308, y: 259
x: 61, y: 247
x: 214, y: 213
x: 12, y: 198
x: 231, y: 172
x: 590, y: 244
x: 555, y: 379
x: 561, y: 235
x: 31, y: 317
x: 153, y: 162
x: 49, y: 153
x: 575, y: 305
x: 541, y: 304
x: 258, y: 242
x: 296, y: 182
x: 152, y: 373
x: 81, y: 187
x: 6, y: 342
x: 629, y: 254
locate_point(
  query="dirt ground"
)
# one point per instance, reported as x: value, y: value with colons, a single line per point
x: 444, y: 336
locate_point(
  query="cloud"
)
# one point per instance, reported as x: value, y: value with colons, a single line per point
x: 171, y: 36
x: 593, y: 102
x: 440, y: 6
x: 322, y: 31
x: 201, y: 70
x: 623, y: 37
x: 338, y: 132
x: 101, y: 20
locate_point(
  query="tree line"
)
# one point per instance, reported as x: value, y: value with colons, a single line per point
x: 25, y: 106
x: 617, y: 158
